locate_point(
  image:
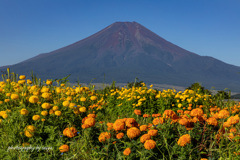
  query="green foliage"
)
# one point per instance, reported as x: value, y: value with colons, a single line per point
x: 197, y: 87
x: 108, y: 105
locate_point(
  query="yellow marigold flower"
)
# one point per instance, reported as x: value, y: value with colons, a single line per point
x: 46, y: 95
x: 2, y: 113
x: 82, y: 99
x: 133, y: 132
x: 43, y: 119
x: 145, y: 137
x: 55, y: 108
x: 29, y: 131
x: 62, y: 85
x: 21, y: 81
x: 48, y: 82
x: 28, y: 134
x: 212, y: 121
x: 25, y: 144
x: 93, y: 98
x: 72, y: 105
x: 82, y: 109
x: 153, y: 132
x: 24, y: 111
x: 118, y: 125
x: 46, y: 106
x: 183, y: 140
x: 29, y: 81
x: 70, y: 132
x: 120, y: 135
x: 64, y: 148
x: 44, y: 113
x: 22, y: 77
x: 4, y: 116
x: 58, y: 113
x: 51, y: 111
x: 127, y: 152
x: 33, y: 99
x: 197, y: 112
x: 30, y: 128
x: 36, y: 117
x: 104, y: 136
x: 6, y: 100
x: 14, y: 96
x: 66, y: 103
x: 158, y: 120
x: 8, y: 94
x: 0, y: 121
x: 150, y: 144
x: 143, y: 128
x: 203, y: 159
x: 89, y: 122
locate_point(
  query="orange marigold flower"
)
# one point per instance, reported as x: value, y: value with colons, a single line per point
x: 70, y: 132
x: 183, y: 121
x: 90, y: 122
x: 146, y: 115
x: 212, y: 121
x: 91, y: 115
x: 233, y: 120
x: 223, y: 114
x: 131, y: 122
x: 143, y: 128
x: 158, y: 120
x: 120, y: 135
x: 118, y: 125
x: 110, y: 126
x: 104, y: 136
x: 137, y: 112
x: 197, y: 112
x: 149, y: 144
x: 180, y: 111
x: 127, y: 151
x: 233, y: 130
x: 153, y: 132
x: 64, y: 148
x: 133, y: 132
x: 169, y: 114
x: 183, y: 140
x: 145, y: 137
x: 226, y: 125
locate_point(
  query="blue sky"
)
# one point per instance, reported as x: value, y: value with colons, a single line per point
x: 206, y: 27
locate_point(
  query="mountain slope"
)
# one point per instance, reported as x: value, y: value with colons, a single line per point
x: 126, y: 50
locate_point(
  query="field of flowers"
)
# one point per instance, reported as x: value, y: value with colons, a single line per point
x: 39, y: 120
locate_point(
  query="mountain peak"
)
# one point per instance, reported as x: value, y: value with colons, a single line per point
x: 125, y: 50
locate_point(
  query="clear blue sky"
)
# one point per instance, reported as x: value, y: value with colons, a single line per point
x: 205, y: 27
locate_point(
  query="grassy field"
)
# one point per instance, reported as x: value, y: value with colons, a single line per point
x: 39, y: 120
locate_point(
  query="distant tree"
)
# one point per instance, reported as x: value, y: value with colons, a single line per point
x: 135, y: 83
x: 222, y: 94
x: 197, y: 87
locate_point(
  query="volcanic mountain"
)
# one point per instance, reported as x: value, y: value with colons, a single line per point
x: 126, y: 50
